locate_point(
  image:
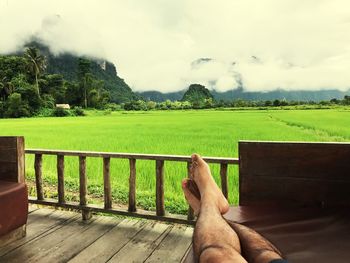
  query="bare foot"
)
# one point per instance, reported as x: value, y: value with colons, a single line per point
x: 192, y: 200
x: 209, y: 190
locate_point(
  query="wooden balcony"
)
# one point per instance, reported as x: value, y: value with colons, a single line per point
x: 296, y: 194
x: 61, y: 236
x: 125, y: 235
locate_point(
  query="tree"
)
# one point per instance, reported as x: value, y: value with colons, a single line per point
x: 2, y: 89
x: 151, y: 105
x: 186, y: 105
x: 276, y: 102
x: 283, y: 103
x: 53, y: 85
x: 73, y: 93
x: 28, y: 92
x: 334, y: 101
x: 208, y: 103
x: 85, y: 77
x: 98, y: 97
x: 6, y: 88
x: 36, y: 64
x: 268, y: 103
x: 135, y: 105
x: 16, y: 107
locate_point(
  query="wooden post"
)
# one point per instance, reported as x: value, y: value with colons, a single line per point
x: 107, y: 183
x: 160, y: 188
x: 20, y: 159
x: 38, y: 176
x: 60, y: 177
x: 86, y: 214
x: 132, y: 186
x: 223, y: 176
x: 190, y: 215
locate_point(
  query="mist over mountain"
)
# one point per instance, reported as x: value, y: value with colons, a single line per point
x: 66, y: 64
x: 289, y: 45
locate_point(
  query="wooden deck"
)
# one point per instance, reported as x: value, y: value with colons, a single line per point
x: 62, y: 236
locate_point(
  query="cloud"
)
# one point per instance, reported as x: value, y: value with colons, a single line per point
x: 269, y: 44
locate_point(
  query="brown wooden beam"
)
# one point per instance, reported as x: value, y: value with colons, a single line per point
x: 86, y: 214
x: 179, y: 219
x: 132, y: 186
x: 140, y: 156
x: 60, y: 178
x: 160, y: 188
x: 224, y: 181
x: 38, y: 176
x: 190, y: 214
x: 107, y: 183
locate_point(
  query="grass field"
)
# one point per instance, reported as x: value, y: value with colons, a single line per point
x: 210, y: 133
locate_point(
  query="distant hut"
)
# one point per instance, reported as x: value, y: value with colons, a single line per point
x: 63, y: 106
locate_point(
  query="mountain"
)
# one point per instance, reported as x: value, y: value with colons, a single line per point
x: 66, y: 64
x: 298, y: 95
x: 196, y: 93
x: 159, y: 96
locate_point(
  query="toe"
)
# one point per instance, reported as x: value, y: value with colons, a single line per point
x: 198, y: 160
x: 184, y: 183
x: 191, y: 199
x: 195, y: 157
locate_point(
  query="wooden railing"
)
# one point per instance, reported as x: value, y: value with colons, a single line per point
x: 132, y: 211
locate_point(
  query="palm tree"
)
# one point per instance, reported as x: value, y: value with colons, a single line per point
x: 87, y: 81
x: 36, y: 64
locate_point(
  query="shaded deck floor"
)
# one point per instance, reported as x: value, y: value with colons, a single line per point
x: 62, y: 236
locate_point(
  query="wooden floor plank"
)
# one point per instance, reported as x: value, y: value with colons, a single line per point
x: 61, y: 236
x: 39, y: 222
x: 109, y: 244
x: 32, y: 208
x: 46, y: 242
x: 173, y: 246
x: 64, y: 251
x: 143, y: 244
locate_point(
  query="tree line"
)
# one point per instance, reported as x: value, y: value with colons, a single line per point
x: 236, y: 103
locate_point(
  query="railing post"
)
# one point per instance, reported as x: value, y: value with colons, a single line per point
x: 38, y: 176
x: 190, y: 215
x: 86, y: 214
x: 60, y: 177
x: 107, y: 183
x: 160, y: 188
x: 223, y: 176
x: 132, y: 186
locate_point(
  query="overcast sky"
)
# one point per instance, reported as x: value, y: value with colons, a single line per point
x: 156, y: 44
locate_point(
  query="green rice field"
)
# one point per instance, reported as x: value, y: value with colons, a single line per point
x: 209, y: 133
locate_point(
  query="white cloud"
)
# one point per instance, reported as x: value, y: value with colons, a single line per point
x: 298, y: 44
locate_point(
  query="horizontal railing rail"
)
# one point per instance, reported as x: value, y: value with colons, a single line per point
x: 141, y: 156
x: 107, y: 208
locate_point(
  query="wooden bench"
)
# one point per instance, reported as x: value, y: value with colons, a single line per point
x: 13, y: 191
x: 298, y: 196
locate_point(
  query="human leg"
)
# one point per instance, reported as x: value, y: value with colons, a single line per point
x: 214, y: 239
